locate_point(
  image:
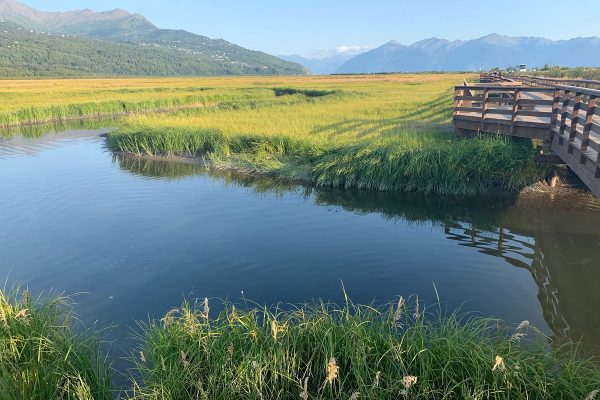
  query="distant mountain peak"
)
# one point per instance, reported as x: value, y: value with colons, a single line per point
x: 493, y: 50
x: 430, y: 43
x: 134, y: 34
x: 393, y: 43
x: 60, y: 21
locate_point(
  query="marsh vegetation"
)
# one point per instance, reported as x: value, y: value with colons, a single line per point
x: 311, y: 351
x: 382, y: 132
x: 376, y: 132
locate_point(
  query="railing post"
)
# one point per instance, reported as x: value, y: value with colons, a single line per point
x: 589, y: 120
x: 484, y: 106
x: 575, y: 117
x: 515, y: 110
x: 563, y: 119
x: 555, y: 109
x: 458, y: 102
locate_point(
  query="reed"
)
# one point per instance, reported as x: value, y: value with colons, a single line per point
x: 430, y: 161
x: 324, y: 351
x: 41, y: 354
x: 317, y: 350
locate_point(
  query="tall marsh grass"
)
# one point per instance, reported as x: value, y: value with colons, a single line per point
x: 381, y: 132
x: 384, y: 133
x: 41, y: 354
x: 426, y: 160
x: 325, y: 351
x: 318, y: 350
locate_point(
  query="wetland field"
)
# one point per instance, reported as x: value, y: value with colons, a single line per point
x: 321, y: 237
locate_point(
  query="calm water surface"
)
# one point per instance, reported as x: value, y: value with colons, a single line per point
x: 134, y: 237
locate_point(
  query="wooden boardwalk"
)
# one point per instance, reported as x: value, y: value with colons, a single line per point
x: 564, y: 117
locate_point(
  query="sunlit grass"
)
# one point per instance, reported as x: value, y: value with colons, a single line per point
x: 381, y: 133
x: 326, y: 351
x: 41, y: 354
x: 28, y: 101
x: 317, y: 350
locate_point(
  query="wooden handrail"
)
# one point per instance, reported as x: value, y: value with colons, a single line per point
x: 547, y: 81
x: 578, y: 89
x: 504, y: 88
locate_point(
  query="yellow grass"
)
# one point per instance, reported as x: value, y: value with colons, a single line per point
x: 24, y: 94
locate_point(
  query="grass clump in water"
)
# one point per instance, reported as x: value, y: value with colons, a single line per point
x: 422, y: 160
x: 323, y: 351
x: 41, y: 357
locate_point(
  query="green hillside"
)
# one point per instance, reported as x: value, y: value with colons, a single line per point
x: 28, y: 53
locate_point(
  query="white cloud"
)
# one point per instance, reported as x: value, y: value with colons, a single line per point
x: 351, y: 49
x: 339, y: 51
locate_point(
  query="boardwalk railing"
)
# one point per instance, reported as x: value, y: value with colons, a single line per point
x: 565, y: 117
x: 489, y: 77
x: 536, y: 81
x: 513, y: 110
x: 575, y: 128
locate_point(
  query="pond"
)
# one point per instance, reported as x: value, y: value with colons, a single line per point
x: 131, y: 238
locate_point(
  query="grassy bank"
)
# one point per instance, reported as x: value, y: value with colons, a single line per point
x: 41, y: 354
x: 323, y: 351
x: 416, y: 160
x: 380, y: 132
x: 376, y: 132
x: 313, y: 351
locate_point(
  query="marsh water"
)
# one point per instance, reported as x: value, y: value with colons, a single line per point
x: 130, y: 238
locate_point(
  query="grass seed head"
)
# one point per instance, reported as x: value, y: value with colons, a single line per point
x: 398, y: 312
x: 332, y: 371
x: 409, y: 381
x: 304, y: 393
x: 499, y: 364
x: 593, y: 394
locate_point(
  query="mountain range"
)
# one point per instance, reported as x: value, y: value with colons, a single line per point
x: 116, y: 42
x: 479, y: 54
x: 84, y: 42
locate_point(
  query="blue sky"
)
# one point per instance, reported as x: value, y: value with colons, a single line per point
x: 305, y: 26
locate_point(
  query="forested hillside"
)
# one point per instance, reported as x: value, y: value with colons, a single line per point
x: 28, y: 53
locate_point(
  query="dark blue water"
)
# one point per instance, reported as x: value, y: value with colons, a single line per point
x: 132, y: 238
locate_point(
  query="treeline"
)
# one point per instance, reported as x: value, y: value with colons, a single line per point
x: 591, y: 73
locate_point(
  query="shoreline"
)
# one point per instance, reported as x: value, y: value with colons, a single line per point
x: 538, y: 188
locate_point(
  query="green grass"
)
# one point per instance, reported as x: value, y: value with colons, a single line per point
x: 428, y: 160
x: 41, y: 355
x: 381, y: 132
x: 366, y: 352
x: 588, y: 73
x: 377, y: 132
x: 313, y: 351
